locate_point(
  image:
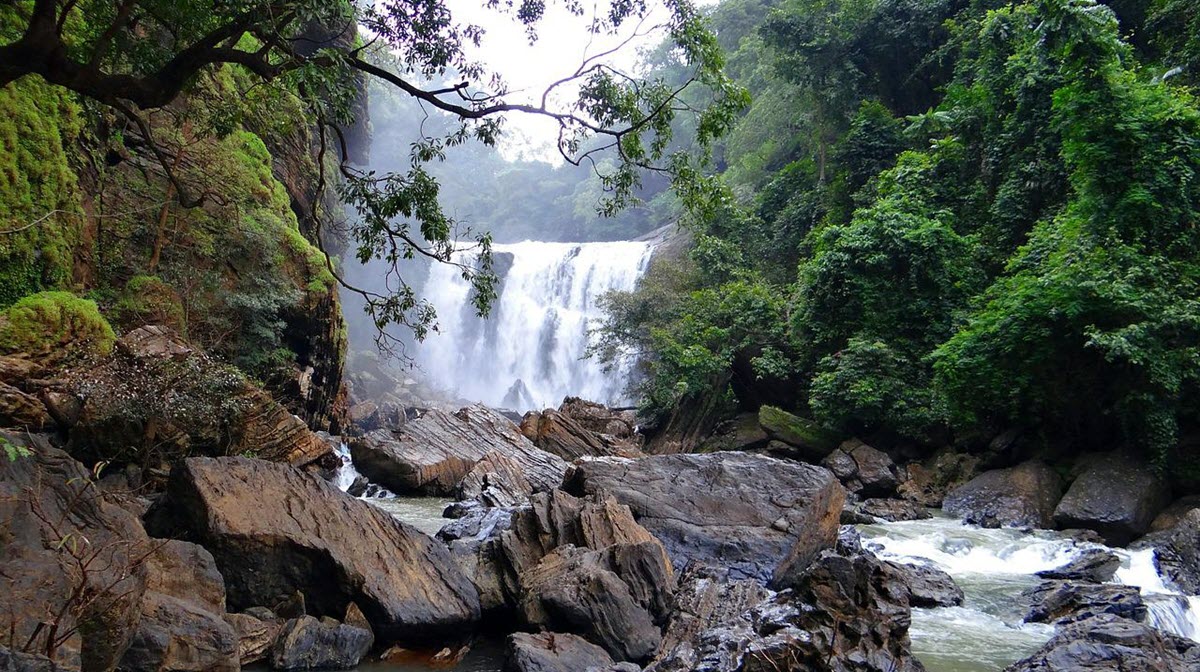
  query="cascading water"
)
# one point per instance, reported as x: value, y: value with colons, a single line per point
x: 993, y: 567
x: 530, y: 352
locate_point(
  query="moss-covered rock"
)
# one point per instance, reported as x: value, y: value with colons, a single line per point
x: 54, y: 327
x: 810, y: 440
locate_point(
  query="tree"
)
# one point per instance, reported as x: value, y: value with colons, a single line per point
x: 138, y: 55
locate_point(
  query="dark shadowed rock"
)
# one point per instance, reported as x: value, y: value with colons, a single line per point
x: 183, y: 624
x: 1021, y: 496
x: 1175, y: 512
x: 1111, y: 643
x: 753, y: 515
x: 1177, y: 552
x: 19, y: 410
x: 1096, y: 565
x: 431, y: 454
x: 808, y: 440
x: 928, y: 482
x: 742, y: 432
x: 92, y: 591
x: 309, y: 644
x: 555, y: 652
x: 1114, y: 495
x: 862, y: 469
x: 893, y: 510
x: 928, y: 586
x: 1067, y: 601
x: 320, y: 542
x: 16, y: 661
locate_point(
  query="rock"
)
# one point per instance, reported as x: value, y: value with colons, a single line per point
x: 575, y: 590
x: 1021, y: 496
x: 256, y: 637
x: 309, y: 644
x: 433, y: 453
x: 927, y: 483
x: 741, y: 433
x: 1068, y: 601
x: 91, y: 593
x: 314, y: 539
x: 844, y: 613
x: 15, y: 661
x: 1175, y: 512
x: 893, y: 510
x: 19, y: 410
x: 755, y: 515
x: 598, y: 418
x: 182, y: 625
x: 863, y: 469
x: 555, y: 652
x: 495, y: 480
x: 156, y: 392
x: 1095, y: 565
x: 928, y: 586
x: 1109, y: 643
x: 562, y: 433
x: 1177, y: 552
x: 1115, y: 496
x: 808, y: 440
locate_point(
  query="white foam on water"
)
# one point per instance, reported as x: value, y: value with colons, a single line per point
x: 346, y: 473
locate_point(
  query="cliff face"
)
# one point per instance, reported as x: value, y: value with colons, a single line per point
x: 86, y: 208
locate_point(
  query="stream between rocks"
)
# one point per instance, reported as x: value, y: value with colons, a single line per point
x: 992, y: 566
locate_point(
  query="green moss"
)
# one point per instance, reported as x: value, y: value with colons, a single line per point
x: 149, y: 300
x: 796, y: 431
x: 47, y: 322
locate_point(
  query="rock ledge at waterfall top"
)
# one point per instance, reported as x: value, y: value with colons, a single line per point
x: 755, y: 516
x: 431, y: 454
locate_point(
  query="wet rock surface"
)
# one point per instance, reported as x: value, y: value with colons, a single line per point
x: 1177, y: 552
x: 1107, y: 643
x: 756, y: 516
x: 315, y: 540
x: 1095, y: 565
x: 307, y: 643
x: 1114, y: 495
x: 927, y: 586
x: 1068, y: 601
x: 1021, y: 496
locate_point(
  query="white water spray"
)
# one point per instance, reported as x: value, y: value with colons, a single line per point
x: 530, y: 352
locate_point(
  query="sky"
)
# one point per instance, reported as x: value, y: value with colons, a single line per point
x: 563, y: 42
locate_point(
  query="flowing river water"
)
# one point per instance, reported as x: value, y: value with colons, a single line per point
x: 993, y: 567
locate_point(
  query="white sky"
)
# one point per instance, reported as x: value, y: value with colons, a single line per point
x: 562, y: 44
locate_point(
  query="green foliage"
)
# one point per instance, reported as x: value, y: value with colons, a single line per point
x: 13, y: 451
x: 50, y: 322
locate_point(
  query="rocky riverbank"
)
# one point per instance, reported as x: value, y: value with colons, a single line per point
x: 153, y: 527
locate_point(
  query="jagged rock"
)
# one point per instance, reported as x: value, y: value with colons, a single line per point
x: 309, y: 644
x: 1095, y: 565
x: 862, y: 469
x: 928, y: 586
x: 581, y: 429
x: 16, y: 661
x: 846, y: 612
x: 314, y: 539
x: 809, y: 441
x: 433, y: 453
x: 621, y: 424
x: 705, y: 601
x: 893, y: 510
x: 19, y: 410
x: 754, y: 515
x: 49, y: 505
x: 1021, y: 496
x: 742, y: 432
x: 1177, y: 552
x: 1108, y: 643
x: 495, y: 480
x: 1114, y: 495
x: 1068, y: 601
x: 255, y: 636
x: 927, y: 483
x: 577, y: 591
x: 555, y: 652
x: 182, y: 625
x: 156, y: 391
x: 1175, y: 512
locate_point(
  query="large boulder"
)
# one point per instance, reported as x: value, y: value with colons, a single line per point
x: 312, y: 538
x: 754, y: 515
x: 1061, y: 602
x: 864, y: 470
x: 555, y: 652
x: 582, y: 429
x: 1114, y: 495
x: 495, y: 481
x: 927, y: 482
x: 306, y: 643
x: 1109, y: 643
x: 1094, y: 565
x: 182, y: 627
x: 1177, y: 552
x: 158, y: 394
x: 1021, y: 496
x: 807, y: 440
x: 741, y: 432
x: 927, y: 586
x: 1175, y: 512
x: 431, y: 454
x: 71, y: 559
x: 256, y: 636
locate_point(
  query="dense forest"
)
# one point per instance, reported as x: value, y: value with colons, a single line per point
x: 942, y: 220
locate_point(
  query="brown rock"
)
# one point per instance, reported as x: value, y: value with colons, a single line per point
x: 495, y: 480
x: 306, y: 643
x: 317, y: 540
x: 256, y: 637
x: 554, y: 652
x: 927, y: 483
x: 1021, y: 496
x: 22, y: 411
x: 433, y: 453
x: 581, y: 429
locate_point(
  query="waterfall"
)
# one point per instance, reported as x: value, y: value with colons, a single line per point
x: 529, y: 353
